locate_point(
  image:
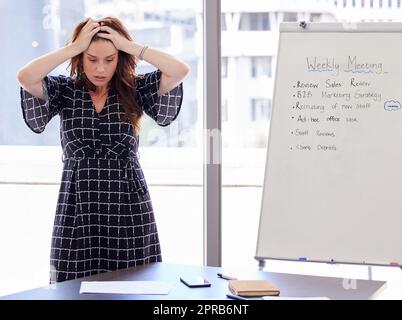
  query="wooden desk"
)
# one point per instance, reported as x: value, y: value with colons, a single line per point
x: 289, y: 284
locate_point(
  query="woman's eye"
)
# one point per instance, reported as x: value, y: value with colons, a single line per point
x: 92, y: 60
x: 109, y: 60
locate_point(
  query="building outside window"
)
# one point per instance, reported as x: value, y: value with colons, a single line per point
x: 260, y: 109
x: 31, y: 164
x: 261, y: 66
x: 254, y: 21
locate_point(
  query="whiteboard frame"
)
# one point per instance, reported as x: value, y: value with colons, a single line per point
x: 339, y: 27
x: 358, y: 27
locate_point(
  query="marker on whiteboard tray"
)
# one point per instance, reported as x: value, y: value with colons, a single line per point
x: 303, y: 24
x: 394, y: 264
x: 302, y: 259
x: 220, y: 275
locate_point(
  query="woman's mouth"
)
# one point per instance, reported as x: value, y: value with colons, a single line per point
x: 100, y: 78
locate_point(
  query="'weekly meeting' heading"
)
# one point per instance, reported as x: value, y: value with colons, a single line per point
x: 353, y: 65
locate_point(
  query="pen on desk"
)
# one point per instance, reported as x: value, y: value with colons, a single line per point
x: 232, y: 296
x: 220, y: 275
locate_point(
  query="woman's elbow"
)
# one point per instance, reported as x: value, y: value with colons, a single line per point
x: 22, y: 76
x: 184, y: 70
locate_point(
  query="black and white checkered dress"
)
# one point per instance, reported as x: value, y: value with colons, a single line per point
x: 104, y: 217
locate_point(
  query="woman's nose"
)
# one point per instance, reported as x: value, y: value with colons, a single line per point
x: 100, y: 67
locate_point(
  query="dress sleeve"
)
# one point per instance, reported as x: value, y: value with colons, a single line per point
x: 163, y: 109
x: 36, y: 112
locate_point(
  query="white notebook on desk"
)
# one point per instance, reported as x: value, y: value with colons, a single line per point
x: 126, y: 287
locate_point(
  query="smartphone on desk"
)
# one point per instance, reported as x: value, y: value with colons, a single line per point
x: 195, y: 281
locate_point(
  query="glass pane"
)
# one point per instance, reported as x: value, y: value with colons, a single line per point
x: 246, y: 107
x: 171, y: 157
x: 247, y: 90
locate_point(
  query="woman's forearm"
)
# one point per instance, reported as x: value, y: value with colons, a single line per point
x: 165, y: 62
x: 40, y: 67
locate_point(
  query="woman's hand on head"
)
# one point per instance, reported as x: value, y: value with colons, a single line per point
x: 120, y: 42
x: 86, y: 34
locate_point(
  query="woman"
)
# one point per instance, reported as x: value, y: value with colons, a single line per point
x: 104, y: 217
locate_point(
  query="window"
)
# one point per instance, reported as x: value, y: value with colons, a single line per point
x: 260, y: 109
x: 246, y: 94
x: 289, y: 16
x: 261, y: 66
x: 246, y: 135
x: 31, y: 163
x: 254, y: 21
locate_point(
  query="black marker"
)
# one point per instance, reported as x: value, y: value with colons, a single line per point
x: 220, y: 275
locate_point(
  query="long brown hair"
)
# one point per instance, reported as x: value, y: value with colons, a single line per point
x: 123, y: 81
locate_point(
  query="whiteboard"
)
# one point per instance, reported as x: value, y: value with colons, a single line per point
x: 333, y: 178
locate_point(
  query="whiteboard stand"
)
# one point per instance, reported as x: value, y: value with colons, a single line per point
x: 261, y: 264
x: 370, y: 273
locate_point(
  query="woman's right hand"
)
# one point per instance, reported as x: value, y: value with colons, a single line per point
x: 85, y: 36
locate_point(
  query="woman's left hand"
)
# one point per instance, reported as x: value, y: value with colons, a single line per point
x: 120, y: 42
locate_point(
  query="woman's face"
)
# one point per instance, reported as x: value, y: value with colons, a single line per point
x: 100, y: 62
